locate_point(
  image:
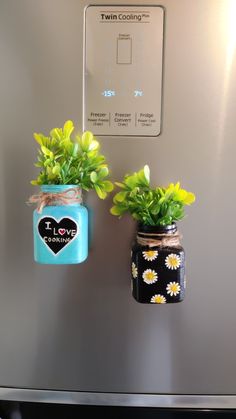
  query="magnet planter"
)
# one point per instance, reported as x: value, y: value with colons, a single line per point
x: 68, y: 166
x: 61, y: 226
x: 157, y: 257
x: 158, y: 265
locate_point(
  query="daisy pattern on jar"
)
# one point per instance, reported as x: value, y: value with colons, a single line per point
x: 150, y: 255
x: 150, y: 276
x: 172, y: 261
x: 134, y: 270
x: 173, y: 288
x: 158, y: 299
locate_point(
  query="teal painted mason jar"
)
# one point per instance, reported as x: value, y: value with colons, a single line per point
x: 60, y: 225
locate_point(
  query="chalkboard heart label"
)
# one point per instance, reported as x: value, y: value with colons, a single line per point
x: 57, y: 234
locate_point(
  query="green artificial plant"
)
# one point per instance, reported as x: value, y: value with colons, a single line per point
x: 63, y: 161
x: 158, y: 206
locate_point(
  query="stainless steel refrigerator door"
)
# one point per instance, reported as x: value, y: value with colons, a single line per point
x: 77, y: 327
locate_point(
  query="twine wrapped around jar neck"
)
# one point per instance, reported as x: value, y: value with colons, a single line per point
x: 68, y: 197
x: 159, y: 239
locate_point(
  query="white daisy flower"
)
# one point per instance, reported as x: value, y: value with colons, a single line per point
x: 158, y: 299
x: 150, y: 254
x: 134, y: 270
x: 172, y: 261
x: 150, y: 276
x: 173, y: 288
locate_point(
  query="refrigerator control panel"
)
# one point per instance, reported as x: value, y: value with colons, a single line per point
x: 122, y: 79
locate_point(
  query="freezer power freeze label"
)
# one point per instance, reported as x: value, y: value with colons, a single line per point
x: 122, y: 80
x: 57, y: 234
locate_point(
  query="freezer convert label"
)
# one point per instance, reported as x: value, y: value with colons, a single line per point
x: 57, y: 234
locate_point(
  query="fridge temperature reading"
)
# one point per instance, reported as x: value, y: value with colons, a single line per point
x: 138, y: 93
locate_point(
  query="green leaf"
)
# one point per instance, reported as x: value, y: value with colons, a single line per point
x: 56, y: 133
x: 101, y: 194
x: 75, y: 149
x: 38, y: 138
x: 93, y: 146
x: 156, y: 209
x: 161, y: 200
x: 131, y: 181
x: 68, y: 128
x: 136, y: 216
x: 115, y: 210
x: 180, y: 195
x: 47, y: 162
x: 190, y: 198
x: 121, y: 185
x: 134, y: 192
x: 120, y: 196
x: 56, y: 169
x: 107, y: 186
x: 103, y: 172
x: 86, y: 140
x: 146, y: 171
x: 93, y: 177
x: 45, y: 150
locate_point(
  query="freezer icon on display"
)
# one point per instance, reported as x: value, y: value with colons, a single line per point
x: 124, y: 50
x: 57, y: 234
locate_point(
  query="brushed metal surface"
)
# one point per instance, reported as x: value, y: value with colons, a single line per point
x: 166, y: 401
x: 77, y: 328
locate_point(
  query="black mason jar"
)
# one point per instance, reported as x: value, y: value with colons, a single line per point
x: 158, y: 265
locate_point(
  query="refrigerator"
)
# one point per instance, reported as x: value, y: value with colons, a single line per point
x: 74, y: 333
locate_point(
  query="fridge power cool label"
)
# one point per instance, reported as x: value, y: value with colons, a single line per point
x: 123, y: 70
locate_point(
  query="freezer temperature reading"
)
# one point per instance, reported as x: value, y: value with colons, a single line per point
x: 108, y: 93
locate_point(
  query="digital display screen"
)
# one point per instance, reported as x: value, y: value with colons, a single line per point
x: 123, y: 70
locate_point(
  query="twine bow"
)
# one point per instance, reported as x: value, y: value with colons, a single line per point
x: 43, y: 199
x: 162, y: 239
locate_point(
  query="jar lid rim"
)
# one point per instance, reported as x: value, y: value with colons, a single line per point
x: 158, y: 229
x: 46, y: 188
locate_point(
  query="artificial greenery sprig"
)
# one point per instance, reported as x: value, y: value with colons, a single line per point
x: 150, y: 206
x: 64, y: 161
